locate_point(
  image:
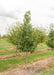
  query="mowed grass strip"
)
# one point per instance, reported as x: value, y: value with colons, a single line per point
x: 14, y: 51
x: 5, y: 47
x: 48, y: 72
x: 4, y: 42
x: 8, y: 52
x: 6, y: 64
x: 42, y: 47
x: 51, y: 72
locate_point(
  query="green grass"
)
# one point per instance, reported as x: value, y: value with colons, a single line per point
x: 42, y: 47
x: 8, y: 52
x: 14, y: 62
x: 50, y: 72
x: 14, y: 51
x: 45, y: 71
x: 5, y: 48
x: 4, y: 42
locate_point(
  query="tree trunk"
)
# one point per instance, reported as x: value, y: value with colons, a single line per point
x: 51, y: 55
x: 16, y: 48
x: 26, y: 60
x: 52, y: 52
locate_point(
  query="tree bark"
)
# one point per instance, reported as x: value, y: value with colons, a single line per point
x: 52, y: 52
x: 26, y: 60
x: 16, y: 48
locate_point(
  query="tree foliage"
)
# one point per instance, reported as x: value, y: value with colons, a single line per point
x: 0, y: 36
x: 50, y: 41
x: 40, y: 35
x: 23, y: 35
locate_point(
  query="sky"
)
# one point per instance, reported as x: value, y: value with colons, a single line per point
x: 42, y: 12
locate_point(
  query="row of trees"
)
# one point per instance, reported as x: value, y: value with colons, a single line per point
x: 50, y: 41
x: 25, y: 37
x: 3, y: 37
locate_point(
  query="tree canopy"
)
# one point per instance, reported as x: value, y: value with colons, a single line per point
x: 23, y: 35
x: 50, y: 41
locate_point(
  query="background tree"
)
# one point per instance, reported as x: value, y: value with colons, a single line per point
x: 4, y: 36
x: 13, y: 35
x: 40, y: 35
x: 23, y: 36
x: 50, y: 41
x: 0, y: 36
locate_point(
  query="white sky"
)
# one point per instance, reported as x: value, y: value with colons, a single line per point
x: 42, y: 12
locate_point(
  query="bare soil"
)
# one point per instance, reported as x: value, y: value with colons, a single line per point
x: 21, y: 54
x: 7, y: 49
x: 5, y: 46
x: 34, y: 68
x: 42, y: 45
x: 12, y: 48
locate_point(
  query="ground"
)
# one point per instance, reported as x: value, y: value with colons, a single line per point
x: 12, y: 63
x: 34, y: 68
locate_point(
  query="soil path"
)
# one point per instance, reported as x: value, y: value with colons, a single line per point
x: 34, y: 68
x: 5, y: 46
x: 7, y: 49
x: 11, y: 48
x: 21, y: 54
x: 42, y: 45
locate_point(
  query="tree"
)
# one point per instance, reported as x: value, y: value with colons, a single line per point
x: 13, y: 34
x: 40, y: 35
x: 0, y: 36
x: 4, y: 36
x: 50, y: 41
x: 23, y: 36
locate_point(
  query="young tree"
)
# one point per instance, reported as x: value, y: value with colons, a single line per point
x: 50, y: 41
x: 23, y: 36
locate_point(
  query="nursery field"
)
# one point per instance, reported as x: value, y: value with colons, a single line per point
x: 40, y: 62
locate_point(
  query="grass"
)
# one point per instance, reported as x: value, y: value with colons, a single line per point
x: 6, y: 64
x: 14, y: 62
x: 42, y: 47
x: 8, y: 52
x: 5, y: 48
x: 4, y: 42
x: 50, y: 72
x: 14, y: 51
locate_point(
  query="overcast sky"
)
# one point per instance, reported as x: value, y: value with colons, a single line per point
x: 42, y: 12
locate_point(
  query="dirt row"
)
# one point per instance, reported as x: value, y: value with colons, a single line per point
x: 42, y: 45
x: 21, y: 54
x: 12, y: 48
x: 5, y: 46
x: 7, y: 49
x: 34, y: 68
